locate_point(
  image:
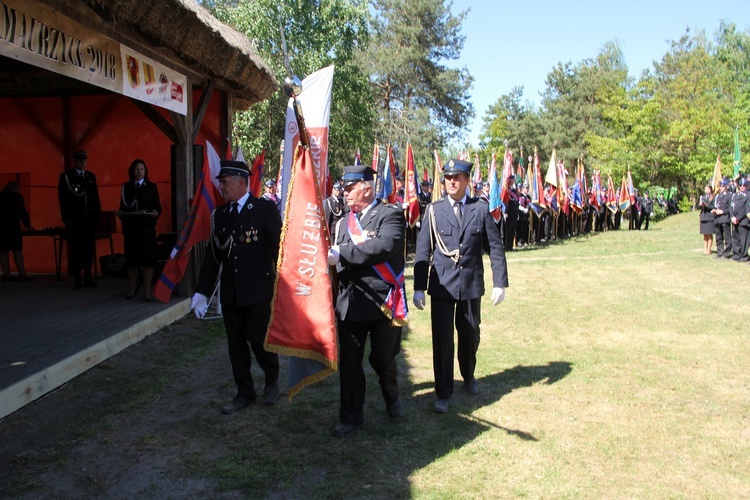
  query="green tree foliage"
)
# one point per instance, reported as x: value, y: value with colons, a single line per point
x: 417, y: 97
x: 667, y: 127
x: 318, y: 33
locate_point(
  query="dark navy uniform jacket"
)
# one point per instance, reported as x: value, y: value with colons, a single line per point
x: 248, y: 249
x: 463, y: 280
x: 740, y: 202
x: 361, y: 291
x: 79, y: 198
x: 723, y: 201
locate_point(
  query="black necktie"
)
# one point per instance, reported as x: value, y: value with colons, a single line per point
x: 233, y: 213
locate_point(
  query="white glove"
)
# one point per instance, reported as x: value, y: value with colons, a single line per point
x: 418, y: 299
x: 405, y: 205
x: 498, y: 295
x: 333, y: 255
x: 199, y: 305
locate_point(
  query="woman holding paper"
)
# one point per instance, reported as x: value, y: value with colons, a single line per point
x: 139, y: 210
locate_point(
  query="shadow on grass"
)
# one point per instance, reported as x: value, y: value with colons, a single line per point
x: 378, y: 460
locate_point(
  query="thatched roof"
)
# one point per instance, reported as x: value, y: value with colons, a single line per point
x: 197, y: 38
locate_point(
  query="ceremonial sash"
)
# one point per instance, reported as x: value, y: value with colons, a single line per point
x: 394, y: 306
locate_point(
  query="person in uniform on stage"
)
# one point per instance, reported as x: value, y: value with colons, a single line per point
x: 80, y: 208
x: 448, y: 265
x: 139, y: 208
x: 722, y: 207
x: 707, y: 219
x: 12, y: 213
x: 740, y: 221
x: 245, y: 238
x: 368, y: 253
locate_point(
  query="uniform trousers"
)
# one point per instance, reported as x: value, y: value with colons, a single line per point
x: 248, y: 324
x: 740, y: 241
x: 465, y: 314
x: 385, y: 344
x: 723, y: 239
x: 82, y: 239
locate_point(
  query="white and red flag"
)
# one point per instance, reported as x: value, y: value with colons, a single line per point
x: 315, y: 100
x: 411, y: 193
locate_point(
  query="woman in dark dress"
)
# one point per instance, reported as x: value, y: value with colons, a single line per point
x: 12, y: 214
x: 139, y: 208
x: 706, y: 204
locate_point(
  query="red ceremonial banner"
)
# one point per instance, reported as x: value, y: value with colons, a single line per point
x: 410, y: 196
x: 302, y: 317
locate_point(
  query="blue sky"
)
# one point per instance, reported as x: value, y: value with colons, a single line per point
x: 517, y: 43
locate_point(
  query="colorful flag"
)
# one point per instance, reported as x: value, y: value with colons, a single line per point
x: 612, y: 204
x: 596, y: 189
x: 551, y: 177
x: 302, y: 323
x: 506, y: 178
x: 197, y: 228
x: 562, y: 187
x: 577, y: 193
x: 425, y: 175
x: 256, y: 173
x: 521, y: 172
x: 624, y: 202
x: 538, y: 203
x: 737, y: 163
x: 631, y: 188
x: 495, y: 200
x: 437, y: 188
x: 476, y: 178
x: 411, y: 188
x: 717, y: 174
x: 315, y: 101
x: 386, y: 189
x: 584, y: 184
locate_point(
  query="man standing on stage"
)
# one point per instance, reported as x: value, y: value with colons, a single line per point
x: 449, y: 250
x: 80, y: 208
x: 245, y: 236
x: 368, y: 253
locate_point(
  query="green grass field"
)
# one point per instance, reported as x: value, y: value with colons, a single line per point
x: 617, y: 367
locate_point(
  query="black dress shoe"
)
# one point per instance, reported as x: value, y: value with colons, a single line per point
x: 8, y: 278
x: 343, y: 430
x: 236, y: 405
x: 271, y: 394
x: 395, y: 410
x: 89, y: 283
x: 442, y: 405
x: 21, y: 277
x: 472, y: 387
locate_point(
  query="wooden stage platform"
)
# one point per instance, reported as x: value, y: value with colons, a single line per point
x: 50, y: 333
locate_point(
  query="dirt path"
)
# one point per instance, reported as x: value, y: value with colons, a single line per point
x: 120, y: 429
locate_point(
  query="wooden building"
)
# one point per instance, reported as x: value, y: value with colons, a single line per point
x: 122, y: 79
